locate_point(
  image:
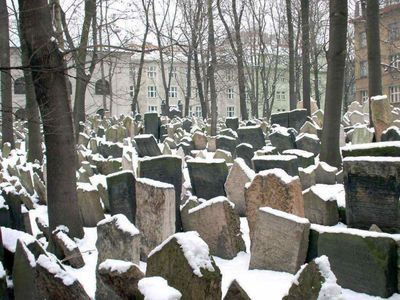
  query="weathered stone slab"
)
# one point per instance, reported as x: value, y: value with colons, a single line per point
x: 232, y: 123
x: 226, y: 143
x: 391, y: 134
x: 146, y: 145
x: 282, y: 139
x: 281, y: 119
x: 362, y: 261
x: 207, y: 177
x: 308, y: 142
x: 246, y: 152
x: 381, y: 114
x: 152, y: 124
x: 89, y: 204
x: 279, y: 242
x: 373, y: 149
x: 297, y: 118
x: 276, y: 189
x: 252, y: 135
x: 166, y: 168
x: 372, y: 192
x: 325, y: 173
x: 193, y: 271
x: 155, y: 213
x: 121, y: 194
x: 199, y: 140
x: 304, y: 158
x: 223, y: 237
x: 238, y: 176
x: 285, y: 162
x: 236, y: 292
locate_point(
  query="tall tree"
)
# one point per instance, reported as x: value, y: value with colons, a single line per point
x: 305, y: 50
x: 374, y: 51
x: 235, y: 40
x: 211, y: 67
x: 5, y: 77
x: 292, y: 95
x: 47, y: 66
x: 330, y: 148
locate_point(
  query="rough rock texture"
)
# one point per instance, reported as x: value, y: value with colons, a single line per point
x: 146, y: 145
x: 285, y: 162
x: 236, y: 292
x: 279, y: 242
x: 276, y: 189
x: 89, y: 206
x: 252, y: 135
x: 155, y: 213
x: 318, y: 209
x: 381, y: 113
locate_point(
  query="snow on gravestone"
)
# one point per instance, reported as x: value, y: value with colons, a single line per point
x: 157, y: 288
x: 372, y: 192
x: 279, y: 242
x: 252, y: 135
x: 155, y: 213
x: 381, y: 115
x: 276, y: 189
x: 285, y: 162
x: 89, y: 204
x: 146, y: 145
x: 193, y: 271
x: 168, y: 169
x: 223, y: 237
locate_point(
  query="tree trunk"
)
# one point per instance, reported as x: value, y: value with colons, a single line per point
x: 374, y: 51
x: 292, y: 95
x: 188, y: 82
x: 211, y: 68
x: 316, y: 79
x: 5, y: 77
x: 330, y: 148
x: 305, y: 50
x: 52, y: 96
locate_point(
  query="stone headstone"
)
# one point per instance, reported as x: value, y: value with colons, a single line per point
x: 281, y: 119
x: 225, y: 155
x: 155, y: 213
x: 308, y: 142
x: 236, y: 292
x: 152, y: 124
x: 122, y: 194
x: 207, y: 177
x: 232, y: 123
x: 276, y: 189
x: 279, y: 242
x: 391, y: 134
x: 252, y: 135
x: 304, y: 158
x: 372, y: 149
x: 381, y: 114
x: 282, y: 139
x: 285, y: 162
x: 362, y: 135
x: 246, y: 152
x: 297, y: 118
x: 199, y: 140
x: 146, y: 145
x: 193, y: 271
x: 372, y: 192
x: 325, y: 173
x: 226, y: 143
x: 89, y: 204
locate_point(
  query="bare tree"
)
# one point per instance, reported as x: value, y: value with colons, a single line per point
x: 5, y: 77
x: 305, y: 50
x: 330, y: 148
x: 47, y: 66
x: 292, y: 95
x: 211, y: 67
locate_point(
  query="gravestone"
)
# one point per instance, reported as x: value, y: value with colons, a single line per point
x: 252, y: 135
x: 297, y: 118
x: 146, y: 145
x: 152, y: 124
x: 372, y: 192
x: 281, y: 119
x: 285, y: 162
x: 166, y: 168
x: 308, y: 142
x: 122, y: 194
x: 304, y: 158
x: 226, y: 143
x: 207, y: 177
x: 232, y: 123
x: 246, y: 152
x: 391, y: 134
x: 283, y: 139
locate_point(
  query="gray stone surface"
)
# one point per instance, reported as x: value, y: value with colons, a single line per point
x: 89, y: 204
x: 146, y: 145
x: 285, y: 162
x: 252, y: 135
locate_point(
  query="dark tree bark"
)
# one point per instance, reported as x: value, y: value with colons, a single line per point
x: 374, y: 51
x: 211, y: 68
x: 305, y: 50
x: 5, y: 77
x: 292, y: 95
x: 330, y: 148
x: 47, y: 67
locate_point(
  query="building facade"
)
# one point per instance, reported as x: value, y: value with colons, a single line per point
x: 390, y: 52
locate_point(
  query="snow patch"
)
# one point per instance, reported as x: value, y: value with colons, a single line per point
x: 122, y: 223
x: 157, y: 288
x: 115, y: 265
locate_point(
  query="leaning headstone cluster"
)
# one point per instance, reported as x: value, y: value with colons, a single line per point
x: 165, y: 192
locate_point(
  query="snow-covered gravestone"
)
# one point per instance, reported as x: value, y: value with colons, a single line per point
x: 279, y: 242
x: 207, y: 177
x: 304, y: 158
x: 362, y: 134
x: 276, y: 189
x: 246, y: 152
x: 315, y: 280
x: 320, y: 204
x: 152, y: 124
x: 381, y: 115
x: 285, y: 162
x: 199, y: 140
x: 391, y: 134
x: 252, y: 135
x: 224, y: 236
x: 168, y: 169
x: 89, y: 204
x: 156, y: 288
x: 363, y: 261
x: 238, y: 176
x: 227, y: 143
x: 308, y: 142
x: 282, y: 138
x: 372, y: 192
x: 121, y: 194
x: 184, y: 261
x: 155, y: 213
x: 146, y: 145
x: 117, y: 238
x: 325, y: 174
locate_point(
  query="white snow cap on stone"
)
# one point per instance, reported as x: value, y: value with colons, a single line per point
x: 284, y: 215
x: 157, y: 288
x: 2, y: 271
x: 379, y: 98
x: 211, y: 202
x: 194, y: 248
x: 11, y: 236
x: 285, y: 177
x: 249, y: 172
x: 328, y: 192
x: 112, y: 265
x: 372, y: 158
x: 276, y: 157
x: 330, y: 290
x: 155, y: 183
x: 54, y: 268
x: 122, y: 223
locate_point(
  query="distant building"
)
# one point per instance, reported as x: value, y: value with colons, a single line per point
x: 390, y: 52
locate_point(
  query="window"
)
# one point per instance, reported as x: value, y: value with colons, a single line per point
x: 364, y: 68
x: 229, y: 75
x: 363, y: 39
x: 394, y: 61
x: 172, y: 72
x: 152, y: 108
x: 394, y: 94
x: 198, y: 112
x: 280, y: 96
x: 230, y: 93
x: 151, y: 91
x: 131, y: 91
x: 394, y: 31
x: 364, y: 96
x: 173, y: 92
x: 230, y: 111
x: 102, y: 87
x: 151, y: 72
x: 19, y: 86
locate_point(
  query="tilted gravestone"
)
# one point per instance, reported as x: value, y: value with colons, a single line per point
x: 246, y: 152
x: 226, y: 143
x: 146, y: 145
x: 122, y: 194
x: 252, y: 135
